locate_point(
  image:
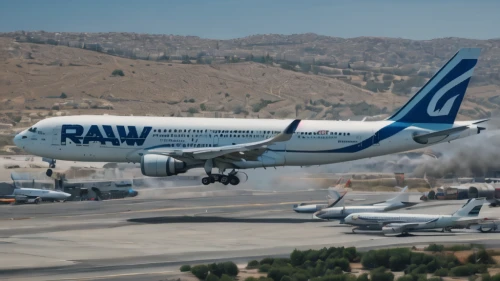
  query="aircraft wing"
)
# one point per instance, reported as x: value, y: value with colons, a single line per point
x: 240, y: 151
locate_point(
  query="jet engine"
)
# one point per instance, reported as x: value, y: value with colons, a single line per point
x: 393, y: 230
x: 153, y: 165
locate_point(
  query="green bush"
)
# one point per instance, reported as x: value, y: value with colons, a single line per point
x: 185, y: 268
x: 286, y: 278
x: 276, y: 273
x: 253, y: 264
x: 434, y: 248
x: 212, y: 277
x: 351, y: 254
x: 297, y: 257
x: 421, y: 269
x: 363, y: 277
x: 226, y: 277
x: 442, y: 272
x: 193, y: 110
x: 230, y: 268
x: 117, y: 72
x: 397, y: 263
x: 216, y: 268
x: 343, y: 263
x: 381, y: 274
x: 265, y: 268
x: 203, y: 107
x: 63, y: 95
x: 337, y: 270
x: 467, y: 270
x: 298, y: 276
x: 200, y: 271
x: 267, y: 261
x: 481, y: 257
x: 258, y: 106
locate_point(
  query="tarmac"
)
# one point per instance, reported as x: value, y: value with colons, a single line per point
x: 148, y: 237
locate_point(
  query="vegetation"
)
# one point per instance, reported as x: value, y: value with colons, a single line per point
x: 118, y: 72
x: 63, y: 95
x: 200, y: 271
x: 185, y: 268
x: 334, y: 264
x: 253, y: 264
x: 263, y: 103
x: 193, y: 110
x: 403, y: 87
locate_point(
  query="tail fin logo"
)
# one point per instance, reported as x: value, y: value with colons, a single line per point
x: 446, y: 108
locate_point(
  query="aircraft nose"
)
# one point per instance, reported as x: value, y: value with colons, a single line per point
x: 318, y: 215
x: 17, y: 140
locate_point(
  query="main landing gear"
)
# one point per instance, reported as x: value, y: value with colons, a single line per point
x: 231, y: 178
x: 224, y: 179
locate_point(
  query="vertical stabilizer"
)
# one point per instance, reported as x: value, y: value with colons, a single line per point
x: 471, y: 208
x: 439, y: 99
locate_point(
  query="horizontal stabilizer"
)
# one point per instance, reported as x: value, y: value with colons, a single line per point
x: 424, y: 138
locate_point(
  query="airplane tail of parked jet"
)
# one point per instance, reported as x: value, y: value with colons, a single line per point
x: 439, y: 99
x: 471, y: 208
x: 335, y: 198
x: 402, y: 197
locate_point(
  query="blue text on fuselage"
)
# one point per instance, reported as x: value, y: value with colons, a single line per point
x: 75, y: 133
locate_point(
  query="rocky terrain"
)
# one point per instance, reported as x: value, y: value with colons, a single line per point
x: 262, y: 76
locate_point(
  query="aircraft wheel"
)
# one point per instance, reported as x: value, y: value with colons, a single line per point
x: 224, y: 180
x: 233, y: 180
x: 205, y: 181
x: 37, y: 201
x: 486, y: 230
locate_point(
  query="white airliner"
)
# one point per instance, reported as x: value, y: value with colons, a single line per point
x: 339, y: 213
x: 333, y: 196
x: 169, y: 146
x: 398, y: 223
x: 44, y: 195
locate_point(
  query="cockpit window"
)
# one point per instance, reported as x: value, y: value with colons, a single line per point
x: 32, y: 129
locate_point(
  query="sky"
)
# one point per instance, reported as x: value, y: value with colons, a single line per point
x: 226, y: 19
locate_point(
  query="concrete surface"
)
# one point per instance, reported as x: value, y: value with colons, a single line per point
x: 150, y: 236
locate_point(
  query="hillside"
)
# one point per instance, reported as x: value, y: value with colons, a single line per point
x: 39, y: 80
x: 33, y: 77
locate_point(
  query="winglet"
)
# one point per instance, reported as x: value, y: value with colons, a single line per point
x: 288, y: 132
x: 292, y: 127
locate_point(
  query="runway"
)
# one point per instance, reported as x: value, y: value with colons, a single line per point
x: 150, y: 236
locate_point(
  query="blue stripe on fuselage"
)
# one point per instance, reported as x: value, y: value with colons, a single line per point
x: 384, y: 133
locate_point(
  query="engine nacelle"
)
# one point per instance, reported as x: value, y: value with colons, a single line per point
x: 153, y: 165
x: 392, y: 230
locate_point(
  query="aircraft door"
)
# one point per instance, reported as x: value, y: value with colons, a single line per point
x: 56, y: 136
x: 216, y: 140
x: 376, y: 138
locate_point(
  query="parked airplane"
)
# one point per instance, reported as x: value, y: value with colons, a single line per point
x: 333, y: 198
x: 167, y: 146
x: 398, y: 223
x: 43, y: 194
x: 339, y: 213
